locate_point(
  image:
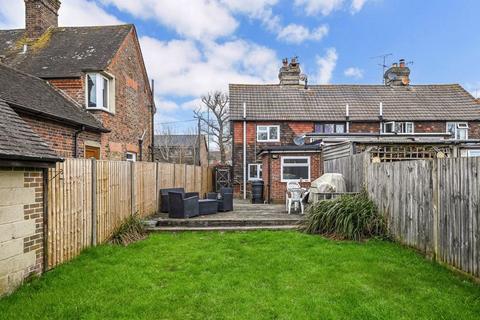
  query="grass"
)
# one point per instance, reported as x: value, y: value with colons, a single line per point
x: 257, y: 275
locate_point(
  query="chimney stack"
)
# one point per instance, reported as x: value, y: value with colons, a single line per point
x: 290, y: 72
x: 398, y: 74
x: 40, y: 15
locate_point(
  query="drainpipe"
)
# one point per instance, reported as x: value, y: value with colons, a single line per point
x: 140, y: 145
x: 153, y: 121
x: 75, y: 141
x: 244, y: 151
x: 269, y: 177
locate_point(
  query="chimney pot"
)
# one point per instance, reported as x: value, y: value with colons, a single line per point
x: 402, y: 63
x: 40, y: 15
x: 290, y: 73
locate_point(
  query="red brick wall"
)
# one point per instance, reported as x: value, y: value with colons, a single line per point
x: 132, y: 103
x: 278, y: 188
x: 61, y: 137
x: 288, y: 130
x: 72, y: 87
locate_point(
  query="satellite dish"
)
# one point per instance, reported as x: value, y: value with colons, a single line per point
x: 392, y: 76
x: 299, y: 140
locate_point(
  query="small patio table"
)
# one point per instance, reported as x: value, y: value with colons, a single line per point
x: 207, y: 206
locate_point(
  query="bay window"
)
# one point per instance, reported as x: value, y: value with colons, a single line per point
x: 268, y: 133
x: 295, y: 169
x: 99, y: 92
x: 459, y: 130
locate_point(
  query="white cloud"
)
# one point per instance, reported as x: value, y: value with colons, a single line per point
x: 357, y: 5
x: 84, y: 13
x: 294, y: 33
x: 72, y: 13
x: 185, y: 68
x: 325, y: 7
x: 12, y: 14
x: 326, y: 65
x: 353, y: 72
x: 165, y: 105
x: 200, y: 19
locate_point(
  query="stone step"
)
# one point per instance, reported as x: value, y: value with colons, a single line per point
x: 222, y: 228
x: 222, y: 222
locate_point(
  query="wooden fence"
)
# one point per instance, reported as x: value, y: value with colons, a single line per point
x: 432, y: 205
x: 89, y: 199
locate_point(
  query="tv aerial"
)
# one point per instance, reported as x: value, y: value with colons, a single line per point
x: 384, y: 63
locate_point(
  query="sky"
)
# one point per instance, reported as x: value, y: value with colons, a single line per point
x: 193, y: 47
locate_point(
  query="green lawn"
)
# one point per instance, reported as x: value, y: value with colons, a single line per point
x: 256, y: 275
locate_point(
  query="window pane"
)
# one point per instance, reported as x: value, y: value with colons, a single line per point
x: 329, y: 128
x: 339, y: 128
x: 388, y: 127
x: 92, y: 91
x: 262, y: 136
x: 273, y: 133
x: 409, y: 127
x: 301, y: 160
x: 253, y: 171
x: 462, y: 134
x: 260, y: 171
x: 318, y: 128
x: 451, y: 128
x: 105, y: 93
x: 295, y: 173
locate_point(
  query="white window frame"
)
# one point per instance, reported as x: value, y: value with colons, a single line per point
x: 259, y: 171
x: 282, y: 165
x: 133, y: 154
x: 99, y: 78
x: 473, y: 153
x: 394, y: 125
x: 458, y: 126
x: 268, y: 127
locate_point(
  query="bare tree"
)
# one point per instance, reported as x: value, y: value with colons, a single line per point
x: 217, y: 103
x: 163, y: 146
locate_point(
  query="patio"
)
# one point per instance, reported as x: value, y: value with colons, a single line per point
x: 245, y: 216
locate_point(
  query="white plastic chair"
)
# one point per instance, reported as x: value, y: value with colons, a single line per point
x: 296, y: 198
x: 291, y: 185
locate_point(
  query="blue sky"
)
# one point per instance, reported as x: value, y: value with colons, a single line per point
x: 192, y: 47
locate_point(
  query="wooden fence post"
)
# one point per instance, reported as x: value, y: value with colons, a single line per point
x: 435, y: 206
x: 132, y: 188
x: 94, y: 202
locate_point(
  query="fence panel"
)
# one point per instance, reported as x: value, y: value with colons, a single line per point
x: 352, y: 168
x: 114, y: 196
x: 69, y: 210
x: 110, y: 191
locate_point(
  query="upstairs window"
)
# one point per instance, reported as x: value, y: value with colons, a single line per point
x: 459, y: 130
x: 254, y: 171
x: 398, y: 127
x: 268, y: 133
x: 330, y: 127
x: 98, y: 91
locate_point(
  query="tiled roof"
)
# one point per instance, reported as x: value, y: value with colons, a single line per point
x: 36, y: 96
x: 18, y: 141
x: 63, y: 51
x: 328, y: 102
x: 176, y: 140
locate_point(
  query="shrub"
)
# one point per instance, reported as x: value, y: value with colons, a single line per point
x: 352, y: 217
x: 130, y: 231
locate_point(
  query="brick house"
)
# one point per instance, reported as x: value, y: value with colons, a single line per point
x: 24, y: 157
x: 284, y: 127
x: 100, y: 68
x: 181, y: 148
